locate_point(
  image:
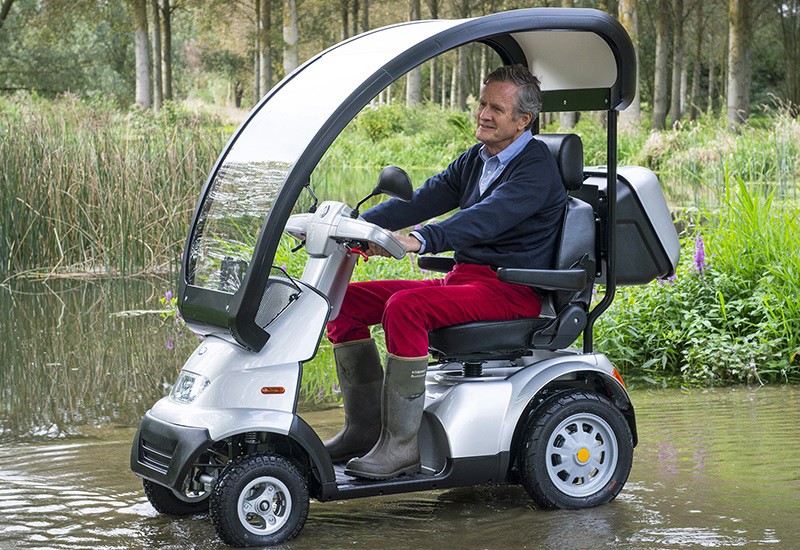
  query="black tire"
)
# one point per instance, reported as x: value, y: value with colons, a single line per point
x: 259, y: 500
x: 169, y: 502
x: 577, y: 451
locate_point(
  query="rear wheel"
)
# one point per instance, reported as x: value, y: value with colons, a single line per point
x: 577, y: 451
x: 172, y: 503
x: 260, y: 500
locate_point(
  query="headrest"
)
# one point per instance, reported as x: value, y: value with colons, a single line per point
x: 567, y: 149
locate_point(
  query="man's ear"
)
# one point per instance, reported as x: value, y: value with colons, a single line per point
x: 526, y: 119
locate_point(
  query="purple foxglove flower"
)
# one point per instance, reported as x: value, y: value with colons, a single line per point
x: 699, y: 254
x: 168, y: 296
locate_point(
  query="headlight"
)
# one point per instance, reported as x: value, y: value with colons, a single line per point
x: 188, y: 387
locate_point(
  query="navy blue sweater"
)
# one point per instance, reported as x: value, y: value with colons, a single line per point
x: 515, y: 223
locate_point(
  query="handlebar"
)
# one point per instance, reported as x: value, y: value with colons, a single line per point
x: 331, y: 225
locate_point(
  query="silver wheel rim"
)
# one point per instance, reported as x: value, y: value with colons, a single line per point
x: 581, y: 455
x: 264, y: 505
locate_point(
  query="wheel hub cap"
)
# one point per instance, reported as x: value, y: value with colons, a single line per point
x: 581, y: 455
x: 264, y: 505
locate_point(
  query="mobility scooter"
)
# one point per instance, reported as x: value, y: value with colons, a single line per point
x: 506, y: 402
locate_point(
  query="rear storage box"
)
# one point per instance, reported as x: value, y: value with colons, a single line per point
x: 647, y: 243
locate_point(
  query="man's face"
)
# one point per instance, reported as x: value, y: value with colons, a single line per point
x: 497, y: 127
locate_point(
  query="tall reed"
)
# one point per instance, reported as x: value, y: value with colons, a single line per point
x: 86, y: 188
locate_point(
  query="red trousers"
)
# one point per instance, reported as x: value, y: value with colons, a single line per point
x: 409, y: 309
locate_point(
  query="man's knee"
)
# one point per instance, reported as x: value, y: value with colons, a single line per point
x: 405, y: 306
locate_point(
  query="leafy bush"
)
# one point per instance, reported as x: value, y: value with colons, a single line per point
x: 727, y: 316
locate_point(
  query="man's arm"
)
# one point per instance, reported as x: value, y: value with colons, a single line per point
x: 438, y: 195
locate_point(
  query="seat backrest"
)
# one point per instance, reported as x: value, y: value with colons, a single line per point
x: 567, y: 149
x: 576, y: 243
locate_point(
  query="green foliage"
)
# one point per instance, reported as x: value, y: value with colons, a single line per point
x: 729, y: 316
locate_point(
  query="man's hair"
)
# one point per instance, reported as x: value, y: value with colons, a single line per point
x: 529, y: 94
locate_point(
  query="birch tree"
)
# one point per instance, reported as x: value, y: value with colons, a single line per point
x: 290, y: 44
x: 155, y: 32
x: 265, y: 50
x: 629, y: 17
x: 677, y: 61
x: 142, y: 53
x: 660, y: 74
x: 738, y: 100
x: 568, y: 119
x: 414, y: 76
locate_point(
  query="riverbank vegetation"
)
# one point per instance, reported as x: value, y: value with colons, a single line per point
x: 88, y: 189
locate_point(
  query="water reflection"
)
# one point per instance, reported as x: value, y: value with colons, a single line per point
x: 67, y: 361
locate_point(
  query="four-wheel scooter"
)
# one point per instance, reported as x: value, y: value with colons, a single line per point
x: 506, y: 402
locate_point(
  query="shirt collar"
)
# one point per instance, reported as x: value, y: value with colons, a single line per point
x: 514, y: 148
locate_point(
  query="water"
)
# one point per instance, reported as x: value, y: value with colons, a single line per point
x: 715, y: 468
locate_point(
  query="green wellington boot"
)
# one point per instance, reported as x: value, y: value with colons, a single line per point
x: 403, y: 399
x: 358, y: 366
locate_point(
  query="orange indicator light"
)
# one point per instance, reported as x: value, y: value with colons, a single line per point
x: 618, y: 377
x: 268, y: 390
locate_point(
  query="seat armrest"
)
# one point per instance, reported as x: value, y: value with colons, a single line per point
x: 546, y: 279
x: 440, y: 264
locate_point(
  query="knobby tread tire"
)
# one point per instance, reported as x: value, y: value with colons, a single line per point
x: 166, y: 502
x: 224, y: 499
x: 535, y: 479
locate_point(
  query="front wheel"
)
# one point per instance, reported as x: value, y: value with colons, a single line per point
x: 577, y: 452
x: 260, y: 500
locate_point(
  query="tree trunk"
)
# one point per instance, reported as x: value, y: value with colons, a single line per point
x: 5, y: 7
x: 463, y: 62
x: 738, y: 53
x: 443, y: 89
x: 344, y: 9
x: 698, y: 52
x: 712, y: 92
x: 630, y: 118
x: 142, y: 53
x: 355, y: 17
x: 257, y: 53
x: 290, y: 52
x: 166, y: 53
x: 364, y: 15
x: 661, y: 74
x: 568, y: 119
x: 684, y: 93
x: 454, y: 82
x: 155, y: 32
x: 434, y: 63
x: 677, y: 61
x: 789, y: 12
x: 414, y: 76
x: 265, y: 53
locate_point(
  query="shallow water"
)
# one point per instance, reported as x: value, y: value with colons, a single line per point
x: 715, y: 468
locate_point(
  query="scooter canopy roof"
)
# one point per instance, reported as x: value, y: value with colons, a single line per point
x: 583, y: 58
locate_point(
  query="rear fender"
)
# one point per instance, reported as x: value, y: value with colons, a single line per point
x: 592, y: 372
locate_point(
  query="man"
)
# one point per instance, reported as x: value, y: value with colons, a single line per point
x: 511, y: 202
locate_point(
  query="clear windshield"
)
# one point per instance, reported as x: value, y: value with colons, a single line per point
x: 257, y: 164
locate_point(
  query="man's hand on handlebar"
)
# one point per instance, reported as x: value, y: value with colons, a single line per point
x: 410, y: 243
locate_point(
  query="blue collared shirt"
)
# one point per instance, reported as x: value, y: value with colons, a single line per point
x: 493, y: 166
